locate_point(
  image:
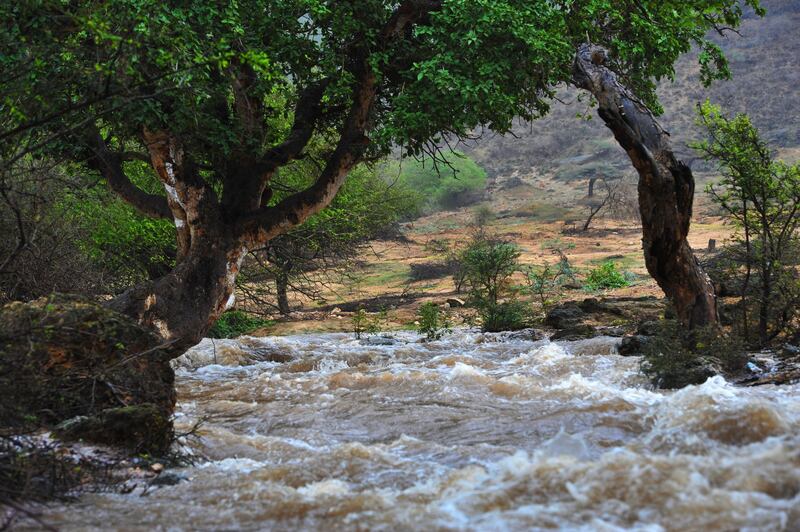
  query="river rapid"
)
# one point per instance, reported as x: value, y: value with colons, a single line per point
x: 473, y: 432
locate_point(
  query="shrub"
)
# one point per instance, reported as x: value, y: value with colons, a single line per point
x: 364, y: 324
x: 431, y: 322
x: 507, y: 316
x: 546, y: 282
x: 676, y: 357
x: 761, y: 197
x: 486, y: 266
x: 235, y: 323
x: 606, y: 276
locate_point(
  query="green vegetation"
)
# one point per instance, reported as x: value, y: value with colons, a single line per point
x: 364, y: 324
x: 235, y: 323
x: 675, y: 357
x: 546, y: 282
x: 760, y: 196
x: 432, y: 323
x: 438, y: 185
x: 486, y: 266
x: 605, y: 277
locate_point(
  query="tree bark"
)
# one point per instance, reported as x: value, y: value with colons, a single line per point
x: 282, y: 289
x: 666, y: 189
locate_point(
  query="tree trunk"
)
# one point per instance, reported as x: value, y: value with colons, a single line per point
x: 666, y: 189
x: 182, y: 305
x: 282, y: 289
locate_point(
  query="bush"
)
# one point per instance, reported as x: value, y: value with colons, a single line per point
x: 546, y: 282
x: 364, y: 324
x: 235, y: 323
x: 606, y: 276
x: 675, y: 357
x: 431, y: 322
x: 507, y: 316
x: 486, y: 266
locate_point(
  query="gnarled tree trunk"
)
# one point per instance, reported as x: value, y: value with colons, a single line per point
x: 666, y: 189
x: 214, y: 233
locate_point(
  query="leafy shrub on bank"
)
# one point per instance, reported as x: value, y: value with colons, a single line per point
x: 506, y: 316
x: 235, y: 323
x: 432, y: 323
x: 605, y: 277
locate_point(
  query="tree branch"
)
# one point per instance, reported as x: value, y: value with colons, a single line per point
x: 268, y: 222
x: 109, y: 164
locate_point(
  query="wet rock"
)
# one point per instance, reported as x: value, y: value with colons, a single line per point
x: 564, y: 316
x: 577, y: 332
x: 169, y: 478
x: 525, y: 335
x: 141, y: 428
x: 377, y: 340
x: 632, y: 345
x: 65, y: 357
x: 455, y: 302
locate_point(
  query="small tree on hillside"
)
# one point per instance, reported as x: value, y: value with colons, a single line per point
x: 761, y: 196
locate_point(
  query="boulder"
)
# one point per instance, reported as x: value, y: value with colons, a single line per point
x: 649, y: 328
x: 580, y: 331
x: 564, y: 316
x: 455, y: 302
x: 65, y: 357
x: 632, y: 345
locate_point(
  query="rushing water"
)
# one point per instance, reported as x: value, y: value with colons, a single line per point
x: 476, y: 431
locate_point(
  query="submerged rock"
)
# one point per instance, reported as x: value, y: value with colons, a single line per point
x: 65, y: 357
x: 632, y: 345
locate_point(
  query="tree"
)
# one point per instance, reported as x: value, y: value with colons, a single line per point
x: 762, y: 197
x: 198, y: 90
x: 304, y: 258
x: 666, y: 189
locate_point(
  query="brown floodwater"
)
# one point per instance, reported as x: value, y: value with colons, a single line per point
x: 473, y: 432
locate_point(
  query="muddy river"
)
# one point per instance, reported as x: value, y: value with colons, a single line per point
x: 473, y: 432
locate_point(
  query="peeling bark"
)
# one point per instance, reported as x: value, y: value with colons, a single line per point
x: 666, y: 189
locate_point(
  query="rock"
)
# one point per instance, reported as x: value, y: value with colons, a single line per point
x: 649, y: 328
x: 615, y: 332
x: 169, y: 478
x: 377, y: 340
x: 790, y: 351
x: 525, y: 335
x: 577, y: 332
x: 564, y: 316
x: 572, y: 286
x: 455, y: 302
x: 68, y: 358
x: 631, y: 345
x: 140, y: 428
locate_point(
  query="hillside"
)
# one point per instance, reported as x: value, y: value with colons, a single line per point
x: 558, y: 153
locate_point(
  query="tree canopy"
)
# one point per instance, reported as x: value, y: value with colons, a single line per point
x: 217, y: 96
